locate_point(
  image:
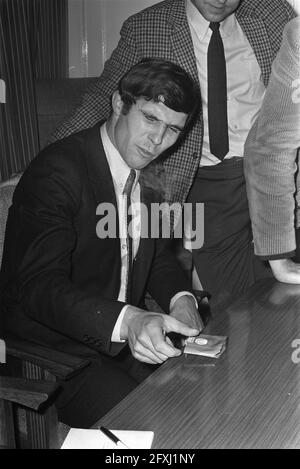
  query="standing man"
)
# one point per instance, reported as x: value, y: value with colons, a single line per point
x: 228, y: 47
x: 72, y: 286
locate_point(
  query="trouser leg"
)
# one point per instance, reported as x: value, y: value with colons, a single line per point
x: 226, y: 264
x: 99, y: 387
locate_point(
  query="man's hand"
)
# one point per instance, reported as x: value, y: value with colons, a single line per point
x: 184, y: 309
x: 146, y: 334
x: 286, y: 271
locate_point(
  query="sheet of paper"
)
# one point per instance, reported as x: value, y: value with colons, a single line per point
x: 78, y: 438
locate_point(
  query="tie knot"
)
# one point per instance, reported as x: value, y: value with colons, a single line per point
x: 214, y: 26
x: 129, y: 183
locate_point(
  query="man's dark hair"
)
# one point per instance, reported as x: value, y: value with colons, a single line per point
x: 160, y: 81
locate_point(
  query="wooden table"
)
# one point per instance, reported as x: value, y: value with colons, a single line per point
x: 248, y: 398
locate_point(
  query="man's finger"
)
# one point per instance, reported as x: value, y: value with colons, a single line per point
x: 146, y: 347
x: 173, y: 325
x: 160, y: 344
x: 142, y: 358
x: 146, y: 356
x: 143, y: 347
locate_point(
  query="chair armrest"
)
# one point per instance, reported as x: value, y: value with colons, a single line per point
x: 60, y: 364
x: 30, y: 393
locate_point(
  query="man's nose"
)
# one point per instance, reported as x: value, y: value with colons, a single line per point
x: 157, y: 135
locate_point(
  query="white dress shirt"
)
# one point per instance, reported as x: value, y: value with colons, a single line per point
x: 120, y: 172
x: 245, y: 88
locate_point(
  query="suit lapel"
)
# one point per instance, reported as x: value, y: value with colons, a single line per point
x: 257, y: 35
x: 181, y: 39
x: 103, y: 189
x: 98, y: 169
x: 142, y: 264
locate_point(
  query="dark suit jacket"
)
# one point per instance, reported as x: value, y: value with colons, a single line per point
x: 162, y: 30
x: 60, y: 282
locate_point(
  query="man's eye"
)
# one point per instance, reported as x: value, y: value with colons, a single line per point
x: 175, y: 130
x: 150, y: 118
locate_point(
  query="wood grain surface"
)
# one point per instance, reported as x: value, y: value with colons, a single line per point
x: 248, y: 398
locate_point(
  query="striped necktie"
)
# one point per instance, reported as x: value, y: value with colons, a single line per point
x: 127, y: 192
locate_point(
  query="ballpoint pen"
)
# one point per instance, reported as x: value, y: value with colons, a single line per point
x: 113, y: 438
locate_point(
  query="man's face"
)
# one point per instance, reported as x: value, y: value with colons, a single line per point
x: 216, y: 10
x: 147, y: 130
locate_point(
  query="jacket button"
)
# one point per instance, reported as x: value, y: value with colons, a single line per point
x: 195, y: 155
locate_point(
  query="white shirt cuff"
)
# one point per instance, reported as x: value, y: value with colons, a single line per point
x: 116, y: 333
x: 180, y: 294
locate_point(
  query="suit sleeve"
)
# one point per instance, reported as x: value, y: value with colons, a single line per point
x: 44, y: 243
x: 271, y: 154
x: 166, y: 276
x: 95, y: 103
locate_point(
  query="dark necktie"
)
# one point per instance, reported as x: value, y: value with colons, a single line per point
x: 217, y: 94
x: 127, y: 192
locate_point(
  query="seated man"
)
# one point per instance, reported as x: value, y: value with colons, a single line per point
x: 66, y: 285
x: 239, y: 39
x: 271, y: 165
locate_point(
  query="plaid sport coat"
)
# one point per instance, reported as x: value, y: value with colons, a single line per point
x: 162, y: 30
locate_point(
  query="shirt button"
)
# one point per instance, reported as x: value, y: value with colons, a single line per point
x: 123, y: 246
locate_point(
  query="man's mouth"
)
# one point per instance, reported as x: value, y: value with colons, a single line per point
x: 146, y: 153
x: 221, y: 7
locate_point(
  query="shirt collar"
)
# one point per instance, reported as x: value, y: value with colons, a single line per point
x: 201, y: 25
x: 118, y: 168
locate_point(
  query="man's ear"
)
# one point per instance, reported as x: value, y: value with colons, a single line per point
x: 117, y: 103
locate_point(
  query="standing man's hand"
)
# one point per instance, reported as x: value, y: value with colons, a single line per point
x: 286, y: 271
x: 146, y: 334
x: 184, y: 309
